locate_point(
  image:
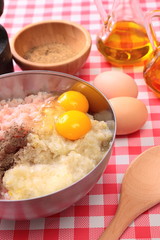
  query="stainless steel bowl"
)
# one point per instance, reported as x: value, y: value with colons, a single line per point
x: 20, y: 84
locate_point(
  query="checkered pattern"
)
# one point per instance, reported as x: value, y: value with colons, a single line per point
x: 88, y: 217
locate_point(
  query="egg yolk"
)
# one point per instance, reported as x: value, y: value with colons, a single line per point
x: 73, y: 100
x: 73, y: 124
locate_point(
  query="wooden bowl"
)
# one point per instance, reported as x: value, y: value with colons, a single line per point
x: 57, y: 34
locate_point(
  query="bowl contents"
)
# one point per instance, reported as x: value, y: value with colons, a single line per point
x: 131, y: 114
x: 50, y: 53
x: 37, y: 156
x: 116, y: 84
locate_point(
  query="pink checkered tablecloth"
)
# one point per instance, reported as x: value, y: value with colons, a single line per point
x: 88, y: 217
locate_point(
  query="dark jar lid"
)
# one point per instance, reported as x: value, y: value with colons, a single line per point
x: 6, y: 63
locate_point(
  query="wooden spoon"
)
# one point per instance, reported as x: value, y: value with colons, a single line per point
x: 140, y: 191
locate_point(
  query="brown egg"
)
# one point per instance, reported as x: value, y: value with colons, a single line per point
x: 131, y: 114
x: 116, y: 84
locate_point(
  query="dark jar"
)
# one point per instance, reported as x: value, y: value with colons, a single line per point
x: 6, y: 63
x: 1, y: 7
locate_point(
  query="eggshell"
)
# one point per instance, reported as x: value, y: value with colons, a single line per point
x: 131, y: 114
x: 116, y: 84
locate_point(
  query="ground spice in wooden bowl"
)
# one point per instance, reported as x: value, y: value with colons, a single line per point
x: 50, y: 53
x: 59, y: 45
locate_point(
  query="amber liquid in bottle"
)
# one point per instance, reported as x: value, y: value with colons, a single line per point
x: 152, y: 73
x: 126, y: 44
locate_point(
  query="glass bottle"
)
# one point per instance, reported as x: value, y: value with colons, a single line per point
x: 151, y: 70
x: 123, y: 39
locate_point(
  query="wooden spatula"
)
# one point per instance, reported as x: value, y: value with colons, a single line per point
x: 140, y: 191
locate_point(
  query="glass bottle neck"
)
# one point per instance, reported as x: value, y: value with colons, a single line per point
x: 127, y: 10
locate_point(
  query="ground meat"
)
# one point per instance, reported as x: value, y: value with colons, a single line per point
x: 14, y: 139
